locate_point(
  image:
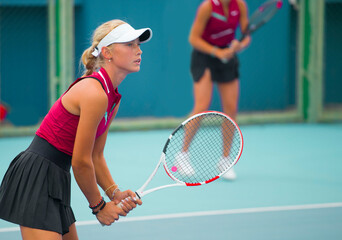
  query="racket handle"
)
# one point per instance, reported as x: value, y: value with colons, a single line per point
x: 138, y: 195
x: 120, y: 203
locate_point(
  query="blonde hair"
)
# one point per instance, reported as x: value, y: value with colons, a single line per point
x: 90, y: 62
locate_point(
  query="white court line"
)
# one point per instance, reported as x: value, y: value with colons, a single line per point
x: 206, y: 213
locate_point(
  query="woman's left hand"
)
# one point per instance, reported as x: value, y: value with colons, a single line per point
x: 235, y: 45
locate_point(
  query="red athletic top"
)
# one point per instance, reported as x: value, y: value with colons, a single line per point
x: 220, y: 31
x: 59, y: 126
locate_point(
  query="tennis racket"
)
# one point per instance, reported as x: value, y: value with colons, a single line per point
x: 199, y: 151
x: 261, y: 16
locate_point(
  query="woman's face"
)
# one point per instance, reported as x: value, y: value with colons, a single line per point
x: 127, y: 56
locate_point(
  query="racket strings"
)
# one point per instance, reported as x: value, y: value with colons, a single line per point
x: 264, y: 13
x: 233, y: 146
x: 203, y: 148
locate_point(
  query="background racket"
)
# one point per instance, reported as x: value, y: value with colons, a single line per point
x: 199, y: 151
x: 259, y: 17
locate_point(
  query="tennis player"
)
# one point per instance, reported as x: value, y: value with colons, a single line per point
x: 214, y: 60
x: 35, y: 191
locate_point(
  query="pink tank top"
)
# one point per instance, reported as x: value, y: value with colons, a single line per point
x: 220, y: 30
x: 59, y: 126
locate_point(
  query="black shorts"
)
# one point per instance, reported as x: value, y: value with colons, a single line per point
x: 220, y: 72
x: 35, y: 191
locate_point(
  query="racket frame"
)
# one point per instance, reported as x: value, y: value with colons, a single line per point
x: 250, y: 30
x: 261, y: 8
x: 141, y: 191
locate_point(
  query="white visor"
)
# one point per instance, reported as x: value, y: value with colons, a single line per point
x: 121, y: 34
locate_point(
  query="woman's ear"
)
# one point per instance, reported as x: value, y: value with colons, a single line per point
x: 106, y: 53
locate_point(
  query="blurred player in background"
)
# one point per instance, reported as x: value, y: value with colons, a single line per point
x: 214, y: 59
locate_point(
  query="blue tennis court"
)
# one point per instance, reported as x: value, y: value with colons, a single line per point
x: 288, y: 187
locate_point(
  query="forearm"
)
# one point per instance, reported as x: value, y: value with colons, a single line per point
x: 244, y: 43
x: 202, y: 45
x: 103, y: 176
x: 85, y: 177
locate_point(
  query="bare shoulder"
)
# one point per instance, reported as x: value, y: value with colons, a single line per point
x: 91, y: 90
x: 242, y: 5
x: 206, y: 4
x: 243, y: 8
x: 87, y: 94
x: 205, y: 8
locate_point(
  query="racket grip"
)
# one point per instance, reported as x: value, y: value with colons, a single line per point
x: 138, y: 195
x: 120, y: 203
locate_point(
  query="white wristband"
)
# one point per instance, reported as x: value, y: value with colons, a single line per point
x: 115, y: 190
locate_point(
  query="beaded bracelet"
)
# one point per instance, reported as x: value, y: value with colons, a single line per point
x: 103, y: 205
x: 97, y: 205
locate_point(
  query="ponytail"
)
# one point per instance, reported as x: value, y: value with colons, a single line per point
x: 89, y: 61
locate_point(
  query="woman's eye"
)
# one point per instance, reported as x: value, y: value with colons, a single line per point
x: 133, y: 44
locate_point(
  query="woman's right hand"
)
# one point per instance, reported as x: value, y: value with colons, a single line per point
x: 110, y: 213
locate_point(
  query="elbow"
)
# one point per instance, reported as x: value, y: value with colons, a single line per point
x: 191, y: 40
x: 80, y: 165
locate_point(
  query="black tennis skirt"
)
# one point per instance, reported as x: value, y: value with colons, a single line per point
x: 220, y: 72
x: 35, y: 191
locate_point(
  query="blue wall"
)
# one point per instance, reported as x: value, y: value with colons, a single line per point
x: 163, y: 87
x: 333, y: 54
x: 23, y: 65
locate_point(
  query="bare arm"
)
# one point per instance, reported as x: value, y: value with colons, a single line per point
x: 89, y: 101
x: 195, y: 37
x: 243, y: 26
x: 104, y: 177
x: 92, y: 102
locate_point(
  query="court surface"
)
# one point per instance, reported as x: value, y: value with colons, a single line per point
x: 289, y: 186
